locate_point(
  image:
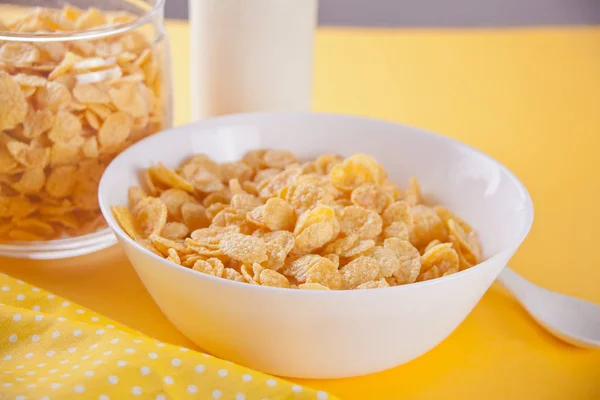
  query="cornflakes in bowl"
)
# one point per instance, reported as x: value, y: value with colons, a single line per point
x: 300, y: 244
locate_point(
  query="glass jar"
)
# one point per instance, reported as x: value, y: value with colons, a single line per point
x: 78, y: 85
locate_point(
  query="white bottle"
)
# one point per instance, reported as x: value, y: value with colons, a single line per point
x: 251, y: 55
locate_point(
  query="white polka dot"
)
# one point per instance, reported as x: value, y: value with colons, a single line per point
x: 79, y: 311
x: 240, y: 396
x: 51, y: 296
x: 7, y: 372
x: 38, y: 318
x: 114, y: 341
x: 29, y: 355
x: 8, y: 357
x: 138, y: 341
x: 36, y: 308
x: 296, y: 388
x: 130, y: 350
x: 216, y: 394
x: 31, y: 373
x: 246, y: 377
x: 103, y: 397
x: 63, y: 362
x: 271, y: 382
x: 45, y: 398
x: 136, y: 390
x: 8, y: 384
x: 53, y: 371
x: 89, y: 373
x: 95, y: 319
x: 77, y: 332
x: 99, y: 331
x: 113, y: 379
x: 41, y: 365
x: 79, y: 389
x: 5, y: 288
x: 322, y: 395
x: 12, y: 338
x: 75, y: 367
x: 192, y: 389
x: 35, y: 338
x: 153, y: 355
x: 199, y: 368
x: 145, y: 371
x: 55, y: 334
x: 183, y: 349
x: 160, y: 344
x: 110, y: 326
x: 35, y: 289
x: 176, y: 362
x: 22, y: 366
x: 20, y: 297
x: 31, y: 386
x: 65, y: 375
x: 107, y: 353
x: 222, y: 373
x: 94, y: 346
x: 20, y: 397
x: 160, y: 396
x: 17, y: 317
x: 50, y: 353
x: 55, y: 385
x: 98, y: 362
x: 66, y: 304
x: 85, y: 357
x: 61, y: 319
x: 43, y: 379
x: 168, y: 380
x: 121, y: 363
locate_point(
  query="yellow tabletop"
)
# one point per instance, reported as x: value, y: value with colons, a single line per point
x: 528, y: 97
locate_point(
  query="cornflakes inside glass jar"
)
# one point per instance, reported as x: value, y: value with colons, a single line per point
x: 78, y: 85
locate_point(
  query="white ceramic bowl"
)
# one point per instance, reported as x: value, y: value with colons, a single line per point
x: 327, y: 334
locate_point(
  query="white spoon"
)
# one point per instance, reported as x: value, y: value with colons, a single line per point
x: 572, y: 320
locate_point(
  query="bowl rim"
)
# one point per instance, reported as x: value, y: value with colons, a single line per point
x: 113, y: 224
x: 40, y: 37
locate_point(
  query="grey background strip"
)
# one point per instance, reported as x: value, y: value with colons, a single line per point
x: 443, y: 13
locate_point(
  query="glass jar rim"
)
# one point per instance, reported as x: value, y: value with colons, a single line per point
x: 85, y: 34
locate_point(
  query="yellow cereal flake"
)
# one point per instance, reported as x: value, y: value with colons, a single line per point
x: 279, y: 245
x: 312, y: 286
x: 409, y: 258
x: 414, y: 195
x: 194, y: 216
x: 442, y: 256
x: 125, y: 220
x: 278, y: 158
x: 115, y: 129
x: 37, y: 122
x: 66, y: 126
x: 150, y: 216
x: 173, y: 256
x: 174, y: 199
x: 356, y: 171
x: 169, y: 177
x: 90, y: 93
x: 369, y: 196
x: 31, y: 182
x: 90, y: 147
x: 61, y: 181
x: 128, y: 98
x: 381, y: 283
x: 359, y: 271
x: 363, y: 222
x: 174, y: 231
x: 325, y: 272
x: 427, y: 226
x: 13, y: 105
x: 91, y: 18
x: 244, y: 248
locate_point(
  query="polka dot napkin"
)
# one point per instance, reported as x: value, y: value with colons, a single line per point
x: 51, y: 348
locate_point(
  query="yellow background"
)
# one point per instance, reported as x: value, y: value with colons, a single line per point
x: 528, y: 97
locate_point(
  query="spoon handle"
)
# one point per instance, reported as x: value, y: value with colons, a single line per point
x: 515, y: 283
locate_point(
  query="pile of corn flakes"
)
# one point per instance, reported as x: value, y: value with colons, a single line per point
x: 66, y: 109
x: 331, y: 223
